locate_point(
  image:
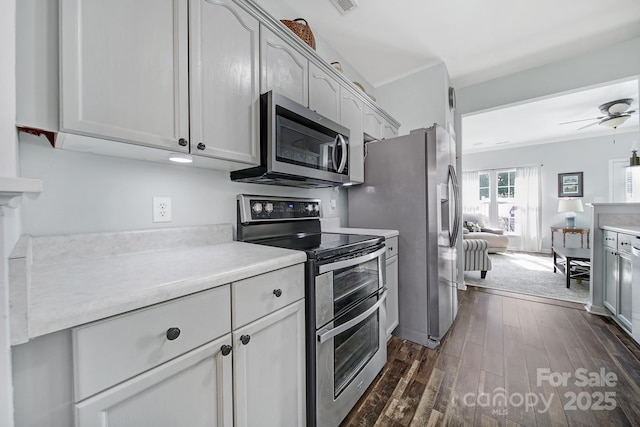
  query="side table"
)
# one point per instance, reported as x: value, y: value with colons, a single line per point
x: 571, y: 230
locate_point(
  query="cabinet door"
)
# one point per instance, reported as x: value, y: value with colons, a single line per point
x: 324, y: 93
x: 372, y: 123
x: 392, y: 294
x: 123, y: 71
x: 192, y: 390
x: 611, y: 280
x: 624, y: 308
x: 224, y: 43
x: 283, y: 69
x: 388, y: 130
x: 351, y: 114
x: 269, y: 370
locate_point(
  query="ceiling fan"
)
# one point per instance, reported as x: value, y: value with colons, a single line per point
x: 615, y: 113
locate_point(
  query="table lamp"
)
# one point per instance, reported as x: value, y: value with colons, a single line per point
x: 570, y: 206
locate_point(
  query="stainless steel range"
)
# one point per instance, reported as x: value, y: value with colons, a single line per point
x: 345, y: 299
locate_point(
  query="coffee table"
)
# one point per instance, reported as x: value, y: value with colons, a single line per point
x: 574, y: 263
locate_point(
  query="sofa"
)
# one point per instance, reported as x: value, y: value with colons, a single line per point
x: 476, y: 256
x: 475, y: 227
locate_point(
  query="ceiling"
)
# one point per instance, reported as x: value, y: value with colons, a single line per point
x: 538, y: 121
x: 477, y: 40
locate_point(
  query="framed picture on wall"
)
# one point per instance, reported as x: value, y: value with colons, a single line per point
x: 570, y: 184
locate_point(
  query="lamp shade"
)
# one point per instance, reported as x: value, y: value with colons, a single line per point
x: 570, y: 205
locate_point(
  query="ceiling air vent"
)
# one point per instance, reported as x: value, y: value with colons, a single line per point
x: 345, y: 6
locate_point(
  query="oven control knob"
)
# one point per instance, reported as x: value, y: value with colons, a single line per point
x: 309, y: 208
x: 257, y: 207
x: 268, y: 208
x: 317, y: 207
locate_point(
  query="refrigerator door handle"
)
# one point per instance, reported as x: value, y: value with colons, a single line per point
x: 456, y: 203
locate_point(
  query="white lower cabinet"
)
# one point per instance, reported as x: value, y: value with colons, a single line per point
x: 393, y: 318
x: 192, y: 390
x: 269, y: 370
x: 230, y: 356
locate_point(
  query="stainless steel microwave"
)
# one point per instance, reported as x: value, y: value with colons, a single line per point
x: 298, y: 147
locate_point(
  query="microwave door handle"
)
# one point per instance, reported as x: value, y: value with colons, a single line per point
x: 333, y: 153
x: 350, y: 262
x: 343, y: 159
x: 326, y: 335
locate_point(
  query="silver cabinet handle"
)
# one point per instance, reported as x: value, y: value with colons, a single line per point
x: 343, y: 158
x: 328, y: 334
x: 635, y: 251
x: 350, y: 262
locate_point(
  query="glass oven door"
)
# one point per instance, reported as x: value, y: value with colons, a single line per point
x: 344, y: 283
x: 350, y: 352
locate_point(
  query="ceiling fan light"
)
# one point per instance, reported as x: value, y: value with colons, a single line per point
x: 614, y: 122
x: 618, y: 108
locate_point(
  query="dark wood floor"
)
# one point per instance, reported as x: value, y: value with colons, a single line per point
x: 490, y: 370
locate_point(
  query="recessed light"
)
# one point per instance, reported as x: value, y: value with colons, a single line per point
x: 180, y: 158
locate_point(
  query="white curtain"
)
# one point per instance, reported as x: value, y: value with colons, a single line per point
x: 528, y: 206
x: 470, y: 192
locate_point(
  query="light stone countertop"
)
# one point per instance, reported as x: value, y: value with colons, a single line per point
x: 332, y: 225
x: 633, y: 230
x: 56, y: 294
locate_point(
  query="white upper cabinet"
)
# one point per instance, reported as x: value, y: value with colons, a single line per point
x: 283, y: 69
x: 372, y: 123
x: 351, y: 114
x: 324, y: 93
x: 124, y: 71
x: 389, y: 130
x: 224, y: 43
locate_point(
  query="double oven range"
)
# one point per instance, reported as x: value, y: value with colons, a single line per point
x: 344, y: 299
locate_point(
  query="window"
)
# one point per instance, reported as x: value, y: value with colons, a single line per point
x: 497, y: 193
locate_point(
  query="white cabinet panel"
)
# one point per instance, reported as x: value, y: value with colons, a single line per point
x: 260, y: 295
x: 193, y: 390
x: 269, y: 370
x: 392, y: 295
x: 388, y: 130
x: 224, y: 43
x: 372, y: 123
x: 123, y: 69
x: 351, y: 114
x: 324, y: 93
x: 283, y: 69
x: 113, y: 350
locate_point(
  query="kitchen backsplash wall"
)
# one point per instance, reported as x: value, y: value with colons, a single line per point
x: 93, y: 193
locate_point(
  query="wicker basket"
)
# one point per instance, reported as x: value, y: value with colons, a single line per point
x: 302, y: 30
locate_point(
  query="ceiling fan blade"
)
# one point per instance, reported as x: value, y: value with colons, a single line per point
x: 582, y: 120
x: 584, y: 127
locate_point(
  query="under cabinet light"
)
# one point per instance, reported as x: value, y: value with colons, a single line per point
x: 180, y: 158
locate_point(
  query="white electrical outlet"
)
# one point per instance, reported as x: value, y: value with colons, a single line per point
x: 162, y: 209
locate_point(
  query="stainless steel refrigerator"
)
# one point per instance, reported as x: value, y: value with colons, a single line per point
x: 411, y: 186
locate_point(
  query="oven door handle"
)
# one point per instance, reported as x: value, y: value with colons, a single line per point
x: 350, y: 262
x: 326, y: 335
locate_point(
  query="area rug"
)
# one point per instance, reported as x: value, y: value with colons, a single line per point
x: 530, y: 274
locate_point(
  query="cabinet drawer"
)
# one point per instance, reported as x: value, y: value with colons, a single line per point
x: 110, y: 351
x: 392, y: 246
x: 624, y: 242
x: 610, y: 239
x: 257, y: 296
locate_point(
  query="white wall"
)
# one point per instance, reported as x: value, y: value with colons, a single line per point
x: 9, y: 224
x: 590, y: 156
x: 90, y: 193
x: 417, y: 100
